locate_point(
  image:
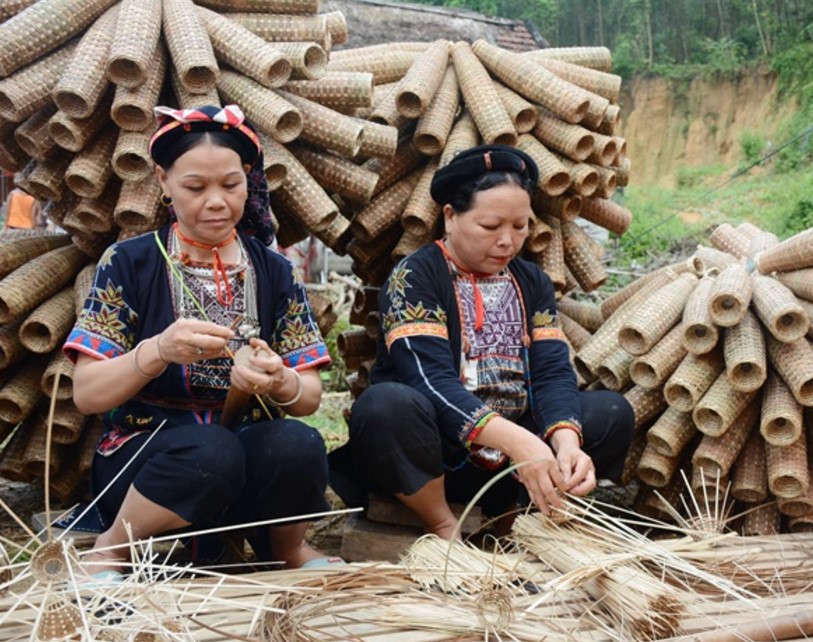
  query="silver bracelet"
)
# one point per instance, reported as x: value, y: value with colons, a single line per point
x: 138, y: 369
x: 300, y: 383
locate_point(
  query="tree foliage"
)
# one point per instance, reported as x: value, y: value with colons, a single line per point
x: 644, y: 34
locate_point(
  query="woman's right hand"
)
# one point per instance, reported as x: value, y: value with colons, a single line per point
x: 190, y: 340
x: 540, y: 473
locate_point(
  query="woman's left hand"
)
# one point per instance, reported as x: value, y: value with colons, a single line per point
x: 266, y: 374
x: 577, y: 469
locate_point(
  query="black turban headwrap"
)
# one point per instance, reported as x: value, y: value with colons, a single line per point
x: 476, y: 161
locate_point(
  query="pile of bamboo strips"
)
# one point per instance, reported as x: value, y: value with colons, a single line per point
x: 351, y: 139
x: 714, y: 353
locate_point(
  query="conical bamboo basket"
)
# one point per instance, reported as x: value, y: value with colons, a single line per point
x: 385, y: 209
x: 609, y: 124
x: 12, y: 350
x: 83, y: 83
x: 656, y: 316
x: 43, y: 26
x: 605, y: 151
x: 12, y: 464
x: 74, y: 134
x: 598, y: 82
x: 655, y: 468
x: 730, y: 296
x: 690, y: 380
x: 749, y: 480
x: 800, y: 282
x: 764, y: 241
x: 93, y: 244
x: 15, y: 252
x: 714, y: 258
x: 33, y: 135
x: 716, y: 412
x: 652, y: 369
x: 378, y: 141
x: 58, y: 365
x: 794, y: 362
x: 21, y: 393
x: 482, y: 102
x: 421, y: 214
x: 646, y: 404
x: 337, y: 235
x: 464, y: 134
x: 788, y: 472
x: 606, y: 213
x: 420, y: 84
x: 744, y: 350
x: 565, y: 207
x: 385, y: 66
x: 131, y: 159
x: 325, y: 127
x: 30, y: 88
x: 138, y: 208
x: 699, y: 332
x: 777, y: 308
x: 276, y: 158
x: 606, y: 181
x: 709, y: 488
x: 537, y: 84
x: 290, y: 230
x: 522, y: 113
x: 763, y: 520
x: 305, y: 199
x: 793, y: 254
x: 573, y: 141
x: 57, y: 211
x: 355, y: 344
x: 554, y: 178
x: 12, y: 157
x: 552, y: 259
x: 585, y: 314
x: 37, y: 456
x: 31, y: 284
x: 244, y: 51
x: 393, y: 169
x: 781, y: 423
x: 266, y: 109
x: 598, y: 58
x: 539, y: 236
x: 434, y: 126
x: 634, y: 453
x: 13, y: 7
x: 367, y: 253
x: 584, y: 178
x: 338, y: 90
x: 132, y: 109
x: 69, y: 421
x: 797, y: 507
x: 336, y: 174
x: 46, y: 180
x: 305, y: 7
x: 577, y: 335
x: 614, y: 370
x: 134, y: 42
x: 584, y: 264
x: 50, y: 323
x: 96, y: 214
x: 308, y: 60
x: 189, y: 46
x: 91, y: 168
x: 726, y: 238
x: 671, y: 433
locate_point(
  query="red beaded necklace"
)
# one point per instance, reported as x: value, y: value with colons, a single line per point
x: 222, y: 285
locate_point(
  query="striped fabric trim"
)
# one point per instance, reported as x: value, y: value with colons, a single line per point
x: 416, y: 329
x: 543, y: 334
x: 564, y: 425
x: 478, y: 426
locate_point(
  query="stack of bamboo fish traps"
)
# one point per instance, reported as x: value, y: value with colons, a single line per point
x: 714, y: 353
x: 351, y: 140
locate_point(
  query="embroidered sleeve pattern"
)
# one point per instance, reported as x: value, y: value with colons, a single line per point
x: 572, y: 424
x: 106, y: 325
x: 297, y: 337
x: 406, y: 318
x: 472, y: 430
x: 545, y: 326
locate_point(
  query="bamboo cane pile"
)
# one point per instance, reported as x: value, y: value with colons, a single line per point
x: 714, y: 354
x: 351, y: 140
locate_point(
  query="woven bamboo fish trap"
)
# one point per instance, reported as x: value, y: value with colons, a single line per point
x: 493, y: 122
x: 49, y: 324
x: 385, y: 209
x: 137, y: 207
x: 699, y: 331
x: 586, y: 267
x: 793, y: 254
x: 29, y: 89
x: 607, y: 213
x: 339, y: 90
x: 132, y: 109
x: 554, y: 179
x: 189, y: 45
x: 730, y: 296
x: 337, y: 174
x: 420, y: 84
x: 59, y: 367
x: 33, y: 136
x: 435, y: 124
x: 781, y: 423
x: 744, y: 351
x: 130, y: 159
x: 305, y: 7
x: 788, y: 469
x: 778, y: 310
x: 584, y: 177
x: 522, y: 113
x: 800, y: 282
x: 690, y: 380
x: 794, y: 362
x: 726, y: 238
x: 598, y: 82
x: 135, y: 39
x: 652, y: 369
x: 655, y: 468
x: 91, y: 168
x: 325, y: 128
x: 671, y: 433
x: 749, y: 481
x: 566, y: 207
x: 720, y: 406
x: 716, y: 454
x: 421, y: 214
x: 73, y: 134
x: 552, y: 258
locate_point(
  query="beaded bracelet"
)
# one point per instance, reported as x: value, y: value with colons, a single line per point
x: 138, y: 369
x: 300, y: 383
x: 567, y: 426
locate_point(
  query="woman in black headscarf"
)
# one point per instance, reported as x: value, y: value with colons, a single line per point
x: 153, y: 348
x: 472, y: 369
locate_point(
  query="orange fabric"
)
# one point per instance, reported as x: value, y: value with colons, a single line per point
x: 20, y: 211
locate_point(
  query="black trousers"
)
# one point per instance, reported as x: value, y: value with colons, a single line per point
x: 210, y: 475
x: 395, y: 446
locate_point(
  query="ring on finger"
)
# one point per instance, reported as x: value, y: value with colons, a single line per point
x: 199, y: 350
x: 255, y: 387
